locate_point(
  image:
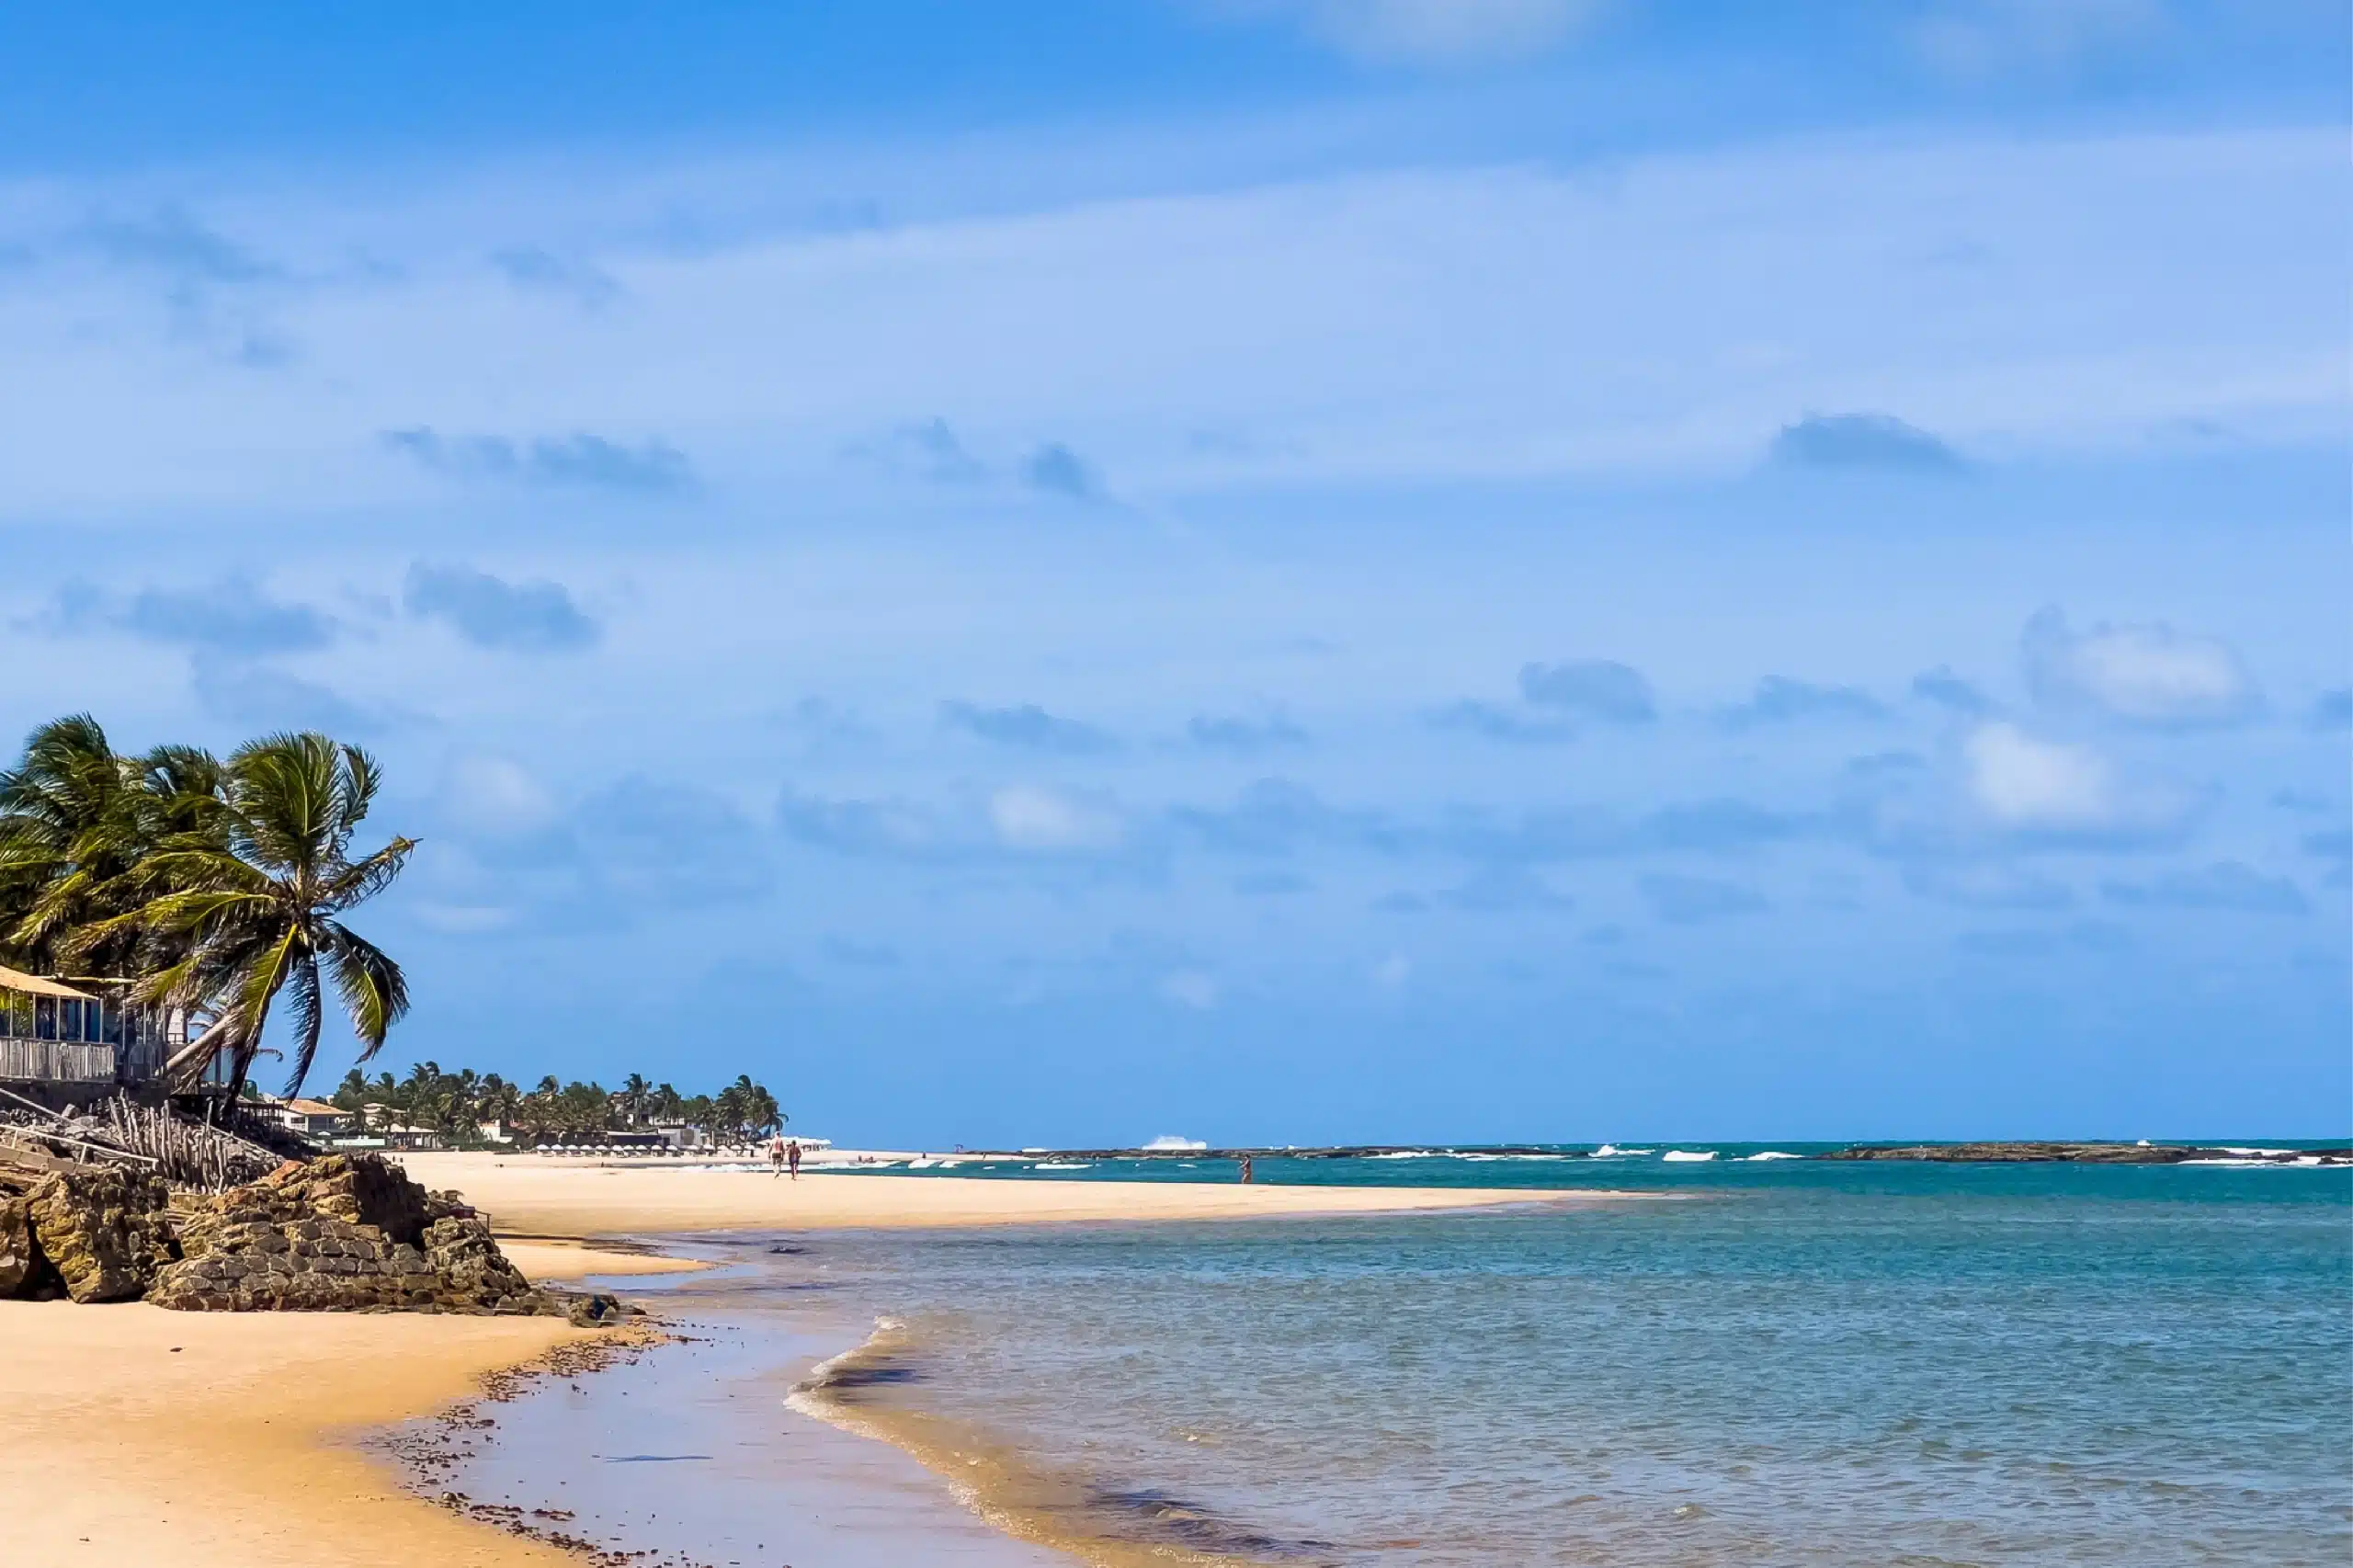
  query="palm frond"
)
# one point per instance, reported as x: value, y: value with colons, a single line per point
x: 374, y: 990
x: 303, y: 995
x: 364, y: 880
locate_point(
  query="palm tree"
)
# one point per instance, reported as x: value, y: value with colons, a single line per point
x: 70, y: 826
x: 635, y: 1094
x: 253, y: 888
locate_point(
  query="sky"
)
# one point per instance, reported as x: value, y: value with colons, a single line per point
x: 1271, y: 571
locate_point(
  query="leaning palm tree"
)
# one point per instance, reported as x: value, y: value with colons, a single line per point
x: 254, y: 886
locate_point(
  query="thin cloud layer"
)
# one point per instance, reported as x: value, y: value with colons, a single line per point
x: 1862, y: 441
x: 1600, y: 689
x: 232, y: 616
x: 1781, y: 700
x: 1437, y: 33
x: 578, y: 459
x: 525, y: 618
x: 1028, y: 727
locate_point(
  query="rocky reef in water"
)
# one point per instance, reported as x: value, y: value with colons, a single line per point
x: 2034, y: 1153
x: 342, y: 1233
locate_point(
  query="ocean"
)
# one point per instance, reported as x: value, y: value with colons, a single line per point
x: 1756, y: 1362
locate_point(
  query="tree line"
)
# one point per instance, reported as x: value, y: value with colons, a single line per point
x: 457, y: 1104
x: 216, y: 887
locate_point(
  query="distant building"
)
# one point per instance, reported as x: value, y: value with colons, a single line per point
x: 313, y: 1119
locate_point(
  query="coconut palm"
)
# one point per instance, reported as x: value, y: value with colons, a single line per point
x: 635, y: 1095
x: 70, y: 827
x: 252, y: 887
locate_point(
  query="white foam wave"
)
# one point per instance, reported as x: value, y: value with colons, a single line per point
x: 1062, y: 1165
x: 1409, y: 1154
x: 885, y: 1330
x: 1611, y: 1152
x: 1773, y: 1155
x: 1688, y: 1155
x: 1169, y: 1143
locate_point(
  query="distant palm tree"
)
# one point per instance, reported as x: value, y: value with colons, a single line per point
x: 636, y: 1092
x: 253, y: 887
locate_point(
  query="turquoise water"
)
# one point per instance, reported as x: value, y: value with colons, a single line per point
x: 1787, y: 1362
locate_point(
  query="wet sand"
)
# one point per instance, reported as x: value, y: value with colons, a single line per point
x: 528, y: 1194
x: 689, y: 1454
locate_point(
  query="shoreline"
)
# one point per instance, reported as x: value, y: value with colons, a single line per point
x: 526, y: 1196
x: 240, y: 1440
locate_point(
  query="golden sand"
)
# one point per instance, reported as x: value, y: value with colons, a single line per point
x: 211, y: 1440
x: 526, y: 1195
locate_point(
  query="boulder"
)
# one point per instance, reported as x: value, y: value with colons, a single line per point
x: 18, y: 1258
x: 596, y: 1310
x: 107, y: 1231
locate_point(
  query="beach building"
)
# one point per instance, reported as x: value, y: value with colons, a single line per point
x: 313, y: 1119
x: 81, y: 1034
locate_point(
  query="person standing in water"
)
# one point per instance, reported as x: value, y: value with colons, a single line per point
x: 793, y: 1158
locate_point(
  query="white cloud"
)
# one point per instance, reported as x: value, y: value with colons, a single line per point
x: 1027, y: 817
x: 1427, y: 33
x: 1191, y: 988
x: 495, y: 795
x: 2145, y: 674
x: 1376, y: 325
x: 1975, y: 38
x: 2023, y: 782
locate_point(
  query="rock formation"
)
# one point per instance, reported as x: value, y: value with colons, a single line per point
x: 342, y: 1233
x: 106, y: 1231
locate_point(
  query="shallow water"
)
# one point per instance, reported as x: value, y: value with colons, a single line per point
x: 1800, y: 1363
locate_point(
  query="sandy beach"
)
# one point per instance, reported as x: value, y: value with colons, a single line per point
x: 529, y: 1195
x: 218, y: 1440
x: 212, y: 1440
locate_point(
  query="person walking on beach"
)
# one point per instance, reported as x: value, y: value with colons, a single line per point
x: 793, y: 1158
x: 776, y: 1157
x: 1246, y: 1168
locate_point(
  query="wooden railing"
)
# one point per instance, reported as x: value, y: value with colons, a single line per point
x: 56, y: 1062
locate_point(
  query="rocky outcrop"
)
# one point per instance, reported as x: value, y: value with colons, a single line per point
x: 104, y: 1230
x: 342, y: 1234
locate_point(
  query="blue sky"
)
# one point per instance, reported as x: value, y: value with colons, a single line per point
x: 1270, y: 570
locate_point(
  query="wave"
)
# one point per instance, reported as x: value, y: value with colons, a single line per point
x: 1065, y: 1509
x: 879, y: 1357
x: 1687, y: 1155
x: 1062, y: 1165
x: 1773, y: 1155
x: 1611, y: 1152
